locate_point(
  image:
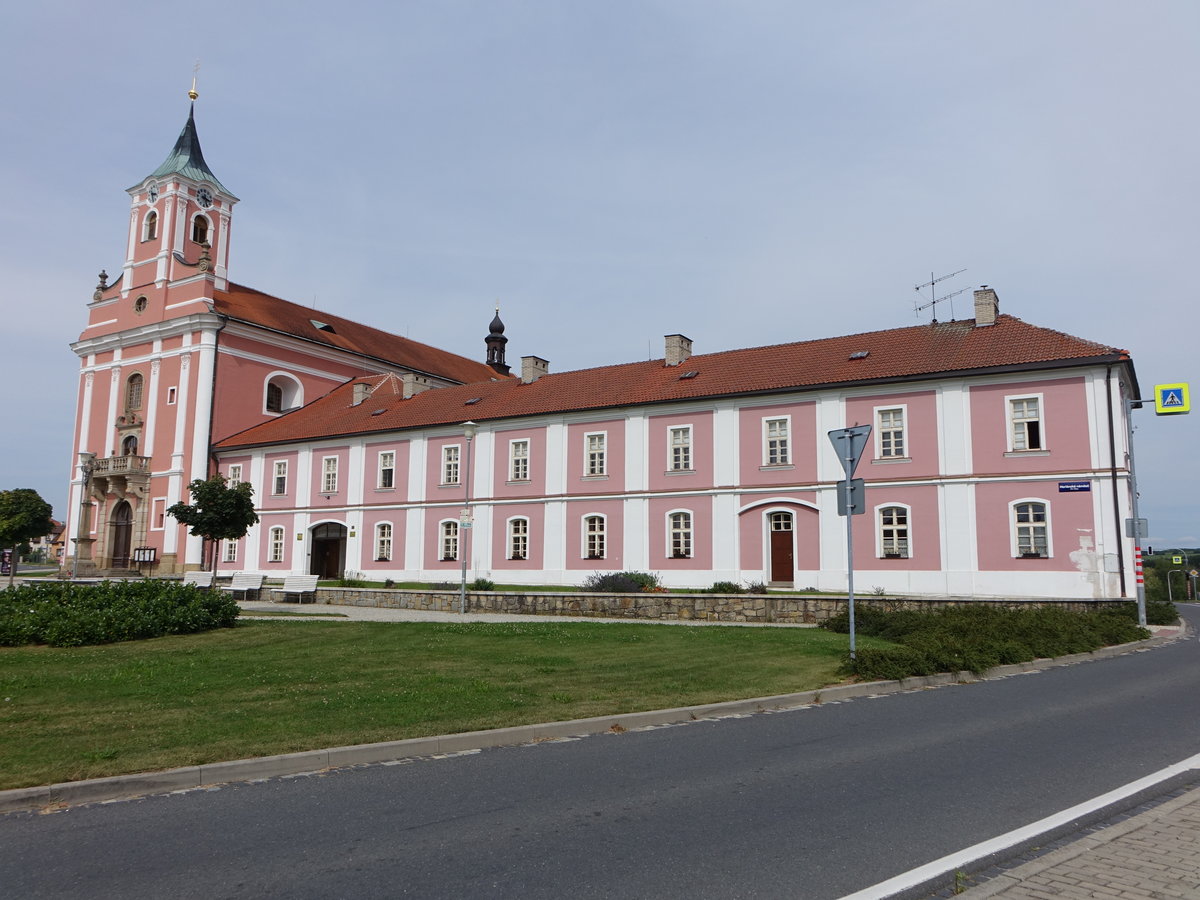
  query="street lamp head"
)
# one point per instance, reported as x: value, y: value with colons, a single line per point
x: 469, y: 429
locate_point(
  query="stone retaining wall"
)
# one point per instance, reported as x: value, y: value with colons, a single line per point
x: 707, y: 607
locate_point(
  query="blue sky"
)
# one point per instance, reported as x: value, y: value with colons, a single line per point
x: 745, y: 173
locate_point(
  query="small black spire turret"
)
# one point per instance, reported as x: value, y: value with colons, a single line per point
x: 495, y: 344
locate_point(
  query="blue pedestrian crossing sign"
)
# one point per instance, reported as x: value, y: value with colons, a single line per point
x: 1170, y: 399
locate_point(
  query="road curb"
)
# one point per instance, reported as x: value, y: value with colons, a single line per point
x: 125, y: 787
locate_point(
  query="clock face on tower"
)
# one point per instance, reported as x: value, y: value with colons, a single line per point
x: 152, y: 193
x: 204, y: 197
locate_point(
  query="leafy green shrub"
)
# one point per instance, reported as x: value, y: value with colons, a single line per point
x: 482, y: 584
x: 621, y: 582
x: 756, y: 587
x: 1158, y: 612
x: 725, y: 587
x: 72, y: 615
x: 977, y: 638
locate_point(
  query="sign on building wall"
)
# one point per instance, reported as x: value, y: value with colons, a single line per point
x: 1070, y: 487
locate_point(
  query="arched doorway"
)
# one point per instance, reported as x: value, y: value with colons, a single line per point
x: 781, y: 527
x: 121, y: 531
x: 328, y: 559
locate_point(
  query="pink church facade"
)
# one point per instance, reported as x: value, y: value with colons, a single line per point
x: 995, y: 465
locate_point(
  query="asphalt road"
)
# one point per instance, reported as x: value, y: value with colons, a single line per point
x: 811, y: 803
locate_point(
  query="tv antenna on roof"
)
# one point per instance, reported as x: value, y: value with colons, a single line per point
x: 934, y: 298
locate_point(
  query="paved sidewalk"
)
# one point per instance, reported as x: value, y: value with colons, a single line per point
x: 1152, y: 853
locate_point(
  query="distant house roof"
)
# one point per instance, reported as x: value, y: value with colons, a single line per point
x: 253, y: 307
x: 901, y: 354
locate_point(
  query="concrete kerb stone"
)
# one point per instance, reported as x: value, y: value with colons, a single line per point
x: 211, y: 774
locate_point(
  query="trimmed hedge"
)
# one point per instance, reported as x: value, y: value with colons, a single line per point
x: 74, y: 615
x: 977, y: 638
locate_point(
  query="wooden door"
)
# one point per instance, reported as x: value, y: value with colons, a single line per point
x: 783, y: 559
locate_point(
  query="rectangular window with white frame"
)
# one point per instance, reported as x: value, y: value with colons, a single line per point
x: 1026, y: 430
x: 777, y: 441
x: 387, y: 470
x: 279, y: 481
x: 231, y: 550
x: 159, y: 513
x: 449, y: 541
x: 679, y: 535
x: 593, y: 537
x: 1031, y: 529
x: 889, y: 426
x: 679, y: 451
x: 893, y: 532
x: 595, y: 462
x: 518, y: 538
x: 329, y: 474
x: 518, y: 460
x: 450, y: 469
x: 383, y: 542
x: 275, y: 545
x: 235, y: 474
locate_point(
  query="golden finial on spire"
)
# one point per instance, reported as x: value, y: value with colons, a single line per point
x: 195, y: 69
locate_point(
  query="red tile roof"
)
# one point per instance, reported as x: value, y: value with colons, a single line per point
x: 256, y: 308
x: 922, y: 351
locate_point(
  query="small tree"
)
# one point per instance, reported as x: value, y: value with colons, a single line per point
x: 24, y: 515
x: 217, y: 512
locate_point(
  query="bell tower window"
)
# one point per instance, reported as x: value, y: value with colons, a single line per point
x: 200, y: 229
x: 150, y: 228
x: 133, y: 392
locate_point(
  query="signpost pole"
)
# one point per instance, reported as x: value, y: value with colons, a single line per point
x: 1137, y: 528
x: 849, y: 463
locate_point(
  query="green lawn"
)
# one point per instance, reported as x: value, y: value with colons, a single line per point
x: 277, y: 687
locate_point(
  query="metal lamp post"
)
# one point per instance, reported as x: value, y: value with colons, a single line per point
x: 1170, y: 593
x: 464, y: 521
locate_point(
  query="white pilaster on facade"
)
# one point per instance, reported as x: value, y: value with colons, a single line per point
x: 635, y: 548
x: 301, y: 542
x: 637, y: 452
x: 958, y: 534
x: 830, y: 414
x: 254, y: 537
x: 724, y: 538
x: 417, y: 449
x: 114, y: 393
x: 304, y: 464
x: 726, y: 443
x: 483, y: 459
x: 414, y: 539
x: 151, y: 405
x: 953, y: 409
x: 556, y: 458
x: 555, y: 545
x: 355, y: 474
x: 202, y: 429
x: 127, y: 269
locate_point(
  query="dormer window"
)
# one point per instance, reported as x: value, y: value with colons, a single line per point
x: 199, y: 229
x: 150, y: 226
x: 274, y: 398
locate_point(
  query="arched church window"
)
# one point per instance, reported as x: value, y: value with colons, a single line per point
x: 133, y: 392
x: 129, y: 446
x: 282, y: 392
x: 274, y: 398
x: 151, y: 226
x: 200, y: 229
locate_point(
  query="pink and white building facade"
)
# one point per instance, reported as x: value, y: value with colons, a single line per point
x: 996, y: 465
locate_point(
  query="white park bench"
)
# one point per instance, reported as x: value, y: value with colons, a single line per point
x: 199, y: 579
x: 297, y: 588
x: 244, y: 586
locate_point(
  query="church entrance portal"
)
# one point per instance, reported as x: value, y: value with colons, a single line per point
x: 121, y: 531
x: 328, y: 550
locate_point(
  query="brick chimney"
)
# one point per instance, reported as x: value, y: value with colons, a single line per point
x: 533, y: 368
x: 361, y: 392
x: 413, y: 384
x: 679, y: 348
x: 987, y: 306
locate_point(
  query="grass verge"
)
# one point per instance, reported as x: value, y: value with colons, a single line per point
x: 272, y: 687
